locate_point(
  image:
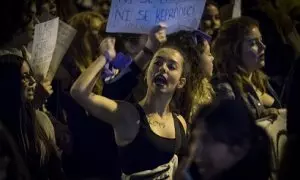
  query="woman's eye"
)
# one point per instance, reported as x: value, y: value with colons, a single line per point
x: 254, y: 42
x: 172, y: 66
x: 158, y: 63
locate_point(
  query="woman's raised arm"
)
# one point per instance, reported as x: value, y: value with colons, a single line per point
x: 110, y: 111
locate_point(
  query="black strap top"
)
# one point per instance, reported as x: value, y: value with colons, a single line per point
x: 148, y: 150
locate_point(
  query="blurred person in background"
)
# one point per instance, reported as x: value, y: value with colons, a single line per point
x: 226, y: 144
x: 239, y: 56
x: 211, y: 21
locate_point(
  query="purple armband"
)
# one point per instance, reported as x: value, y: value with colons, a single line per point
x: 107, y: 71
x: 121, y: 61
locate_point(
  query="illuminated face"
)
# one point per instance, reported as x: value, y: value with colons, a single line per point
x: 253, y: 50
x: 28, y: 83
x: 206, y: 61
x: 165, y: 71
x: 211, y: 19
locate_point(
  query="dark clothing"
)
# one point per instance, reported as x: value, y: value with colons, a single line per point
x: 228, y: 90
x: 95, y: 152
x: 17, y: 169
x: 121, y: 87
x: 293, y: 122
x: 148, y: 150
x: 50, y: 171
x: 254, y: 166
x: 289, y: 166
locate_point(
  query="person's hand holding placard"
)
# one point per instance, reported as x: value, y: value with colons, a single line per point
x: 107, y: 48
x: 157, y: 36
x: 140, y: 16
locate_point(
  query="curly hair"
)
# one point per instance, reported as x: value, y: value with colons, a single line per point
x: 198, y: 89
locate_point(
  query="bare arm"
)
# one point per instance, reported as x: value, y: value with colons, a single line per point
x: 110, y: 111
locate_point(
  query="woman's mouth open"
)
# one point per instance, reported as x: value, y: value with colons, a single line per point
x: 160, y: 80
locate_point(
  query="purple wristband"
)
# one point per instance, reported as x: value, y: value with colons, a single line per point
x: 107, y: 57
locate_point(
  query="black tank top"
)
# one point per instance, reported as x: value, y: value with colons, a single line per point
x: 148, y: 150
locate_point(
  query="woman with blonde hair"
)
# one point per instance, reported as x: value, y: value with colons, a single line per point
x: 90, y: 28
x: 200, y: 89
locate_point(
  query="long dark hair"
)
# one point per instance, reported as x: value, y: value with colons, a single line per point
x: 229, y: 122
x: 18, y: 115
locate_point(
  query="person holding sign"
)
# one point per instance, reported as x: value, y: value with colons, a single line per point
x: 31, y: 129
x: 149, y: 134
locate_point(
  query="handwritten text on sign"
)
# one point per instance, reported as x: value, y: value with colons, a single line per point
x: 65, y: 35
x: 44, y: 42
x: 140, y: 16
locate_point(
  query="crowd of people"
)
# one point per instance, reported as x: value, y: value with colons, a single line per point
x: 190, y: 105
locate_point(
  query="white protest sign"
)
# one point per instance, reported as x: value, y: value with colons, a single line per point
x: 44, y: 42
x: 237, y: 12
x: 66, y: 34
x: 140, y: 16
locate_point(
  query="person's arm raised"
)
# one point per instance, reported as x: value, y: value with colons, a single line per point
x: 99, y: 106
x: 156, y: 37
